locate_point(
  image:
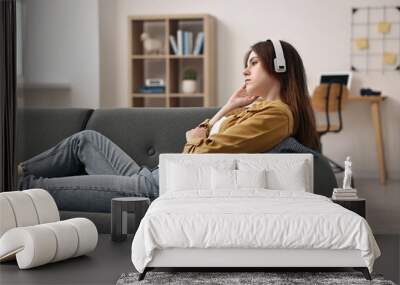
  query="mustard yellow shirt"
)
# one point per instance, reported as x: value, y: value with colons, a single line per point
x: 252, y: 129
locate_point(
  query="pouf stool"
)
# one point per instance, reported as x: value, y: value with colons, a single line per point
x: 32, y: 233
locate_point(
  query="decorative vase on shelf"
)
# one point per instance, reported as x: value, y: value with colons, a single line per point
x: 189, y: 86
x: 189, y: 83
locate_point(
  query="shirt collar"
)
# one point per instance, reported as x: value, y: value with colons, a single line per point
x: 259, y: 105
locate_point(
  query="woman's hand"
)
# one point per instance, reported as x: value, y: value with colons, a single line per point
x: 240, y: 98
x: 196, y: 134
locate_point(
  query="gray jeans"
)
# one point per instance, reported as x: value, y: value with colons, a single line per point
x: 109, y: 172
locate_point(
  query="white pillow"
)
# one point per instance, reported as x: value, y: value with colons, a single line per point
x: 282, y: 175
x: 193, y: 176
x: 223, y: 179
x: 292, y: 179
x: 251, y: 178
x: 231, y: 180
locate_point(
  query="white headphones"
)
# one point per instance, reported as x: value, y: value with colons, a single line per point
x: 279, y: 60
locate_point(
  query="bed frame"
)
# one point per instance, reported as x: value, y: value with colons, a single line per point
x: 242, y: 259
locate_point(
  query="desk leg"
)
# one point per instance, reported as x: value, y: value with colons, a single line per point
x: 376, y: 120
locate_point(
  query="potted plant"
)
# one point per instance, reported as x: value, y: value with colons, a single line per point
x: 189, y: 81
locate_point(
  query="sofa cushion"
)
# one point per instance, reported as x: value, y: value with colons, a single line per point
x: 144, y: 133
x: 39, y: 129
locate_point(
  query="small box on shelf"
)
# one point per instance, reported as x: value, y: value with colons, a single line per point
x: 155, y: 82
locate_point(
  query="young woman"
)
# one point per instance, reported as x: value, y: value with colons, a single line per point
x: 270, y: 106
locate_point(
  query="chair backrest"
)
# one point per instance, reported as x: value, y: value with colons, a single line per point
x: 328, y: 98
x: 329, y: 95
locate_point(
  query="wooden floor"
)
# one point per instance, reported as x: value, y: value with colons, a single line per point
x: 102, y: 266
x: 106, y: 264
x: 110, y: 259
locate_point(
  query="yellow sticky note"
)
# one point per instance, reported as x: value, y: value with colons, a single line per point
x: 361, y: 43
x: 384, y: 27
x: 389, y: 58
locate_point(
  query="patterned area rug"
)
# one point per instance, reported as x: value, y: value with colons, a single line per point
x: 242, y: 278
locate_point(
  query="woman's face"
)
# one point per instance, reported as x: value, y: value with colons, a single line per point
x: 258, y: 81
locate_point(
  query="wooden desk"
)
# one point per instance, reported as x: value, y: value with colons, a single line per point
x: 375, y: 102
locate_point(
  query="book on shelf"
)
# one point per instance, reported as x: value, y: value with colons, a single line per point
x: 190, y: 43
x: 180, y: 41
x: 151, y: 89
x: 187, y: 42
x: 341, y: 190
x: 199, y: 43
x: 345, y: 194
x: 184, y: 43
x: 335, y: 197
x: 173, y: 44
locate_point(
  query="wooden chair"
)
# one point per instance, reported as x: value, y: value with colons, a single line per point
x: 330, y: 98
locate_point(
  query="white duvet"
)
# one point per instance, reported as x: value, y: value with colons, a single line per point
x: 250, y: 219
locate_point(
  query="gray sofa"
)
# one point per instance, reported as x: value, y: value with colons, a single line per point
x: 143, y: 133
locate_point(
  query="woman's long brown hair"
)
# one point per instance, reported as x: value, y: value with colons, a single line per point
x: 294, y: 91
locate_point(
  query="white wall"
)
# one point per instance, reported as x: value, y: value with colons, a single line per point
x: 108, y: 52
x: 61, y: 45
x: 320, y: 30
x: 84, y: 43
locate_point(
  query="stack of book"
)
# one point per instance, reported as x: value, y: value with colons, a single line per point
x: 151, y: 89
x: 184, y: 45
x: 344, y: 194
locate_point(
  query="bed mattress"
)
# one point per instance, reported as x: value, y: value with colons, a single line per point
x: 250, y: 219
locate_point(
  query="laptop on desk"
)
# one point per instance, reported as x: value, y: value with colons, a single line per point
x: 342, y: 77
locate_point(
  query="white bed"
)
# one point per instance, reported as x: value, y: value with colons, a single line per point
x: 247, y: 210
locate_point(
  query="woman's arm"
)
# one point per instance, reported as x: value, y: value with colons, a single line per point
x: 258, y: 133
x: 238, y: 99
x: 222, y: 112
